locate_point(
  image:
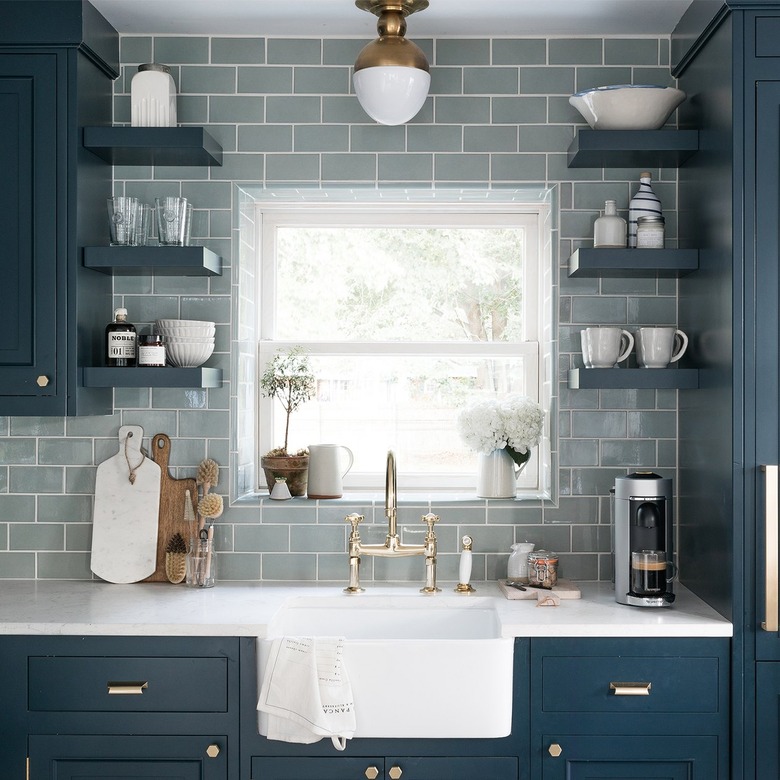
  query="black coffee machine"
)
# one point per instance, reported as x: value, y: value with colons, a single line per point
x: 643, y: 540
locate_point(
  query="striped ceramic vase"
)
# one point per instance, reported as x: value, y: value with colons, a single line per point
x: 643, y: 204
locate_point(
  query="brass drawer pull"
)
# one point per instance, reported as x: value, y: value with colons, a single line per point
x: 555, y: 750
x: 127, y: 688
x: 371, y: 773
x: 212, y: 751
x: 631, y: 688
x: 395, y: 773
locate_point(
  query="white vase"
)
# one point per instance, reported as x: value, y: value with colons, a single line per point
x: 497, y: 475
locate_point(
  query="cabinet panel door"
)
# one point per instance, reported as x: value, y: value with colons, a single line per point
x: 336, y: 768
x: 75, y: 757
x: 630, y: 758
x: 767, y: 720
x: 29, y: 224
x: 454, y: 768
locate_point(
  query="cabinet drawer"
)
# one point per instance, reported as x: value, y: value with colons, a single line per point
x: 629, y: 684
x: 118, y: 684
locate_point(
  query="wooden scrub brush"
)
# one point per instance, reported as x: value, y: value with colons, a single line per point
x: 210, y: 506
x: 176, y: 559
x: 208, y: 474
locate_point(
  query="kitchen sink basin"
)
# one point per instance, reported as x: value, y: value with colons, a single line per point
x: 419, y: 667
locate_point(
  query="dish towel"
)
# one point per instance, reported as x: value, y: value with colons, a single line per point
x: 306, y: 691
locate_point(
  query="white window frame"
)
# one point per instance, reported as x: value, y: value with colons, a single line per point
x: 532, y: 216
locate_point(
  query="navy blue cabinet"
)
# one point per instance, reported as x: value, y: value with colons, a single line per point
x: 75, y: 757
x: 53, y: 80
x: 120, y: 707
x: 630, y: 708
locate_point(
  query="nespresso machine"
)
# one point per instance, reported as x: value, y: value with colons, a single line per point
x: 643, y: 540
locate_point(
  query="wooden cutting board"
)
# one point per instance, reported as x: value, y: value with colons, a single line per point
x: 564, y: 589
x: 124, y: 516
x: 172, y: 501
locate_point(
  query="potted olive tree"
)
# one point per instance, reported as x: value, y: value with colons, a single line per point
x: 288, y: 377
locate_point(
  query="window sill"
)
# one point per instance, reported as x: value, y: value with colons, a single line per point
x: 376, y: 499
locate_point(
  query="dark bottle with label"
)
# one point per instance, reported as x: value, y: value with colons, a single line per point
x: 121, y: 347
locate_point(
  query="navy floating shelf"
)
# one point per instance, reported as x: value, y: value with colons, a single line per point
x: 174, y: 146
x: 626, y: 263
x: 632, y: 148
x: 151, y: 377
x: 157, y: 260
x: 634, y: 378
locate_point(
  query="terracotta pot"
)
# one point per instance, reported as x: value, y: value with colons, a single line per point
x: 294, y: 468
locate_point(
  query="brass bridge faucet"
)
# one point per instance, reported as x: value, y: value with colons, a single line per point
x: 392, y: 547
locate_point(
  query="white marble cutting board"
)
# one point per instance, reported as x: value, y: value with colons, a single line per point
x: 125, y: 514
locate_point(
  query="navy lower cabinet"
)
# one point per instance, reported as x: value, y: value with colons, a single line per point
x: 767, y: 745
x: 84, y: 708
x: 382, y: 768
x: 134, y: 758
x: 630, y: 708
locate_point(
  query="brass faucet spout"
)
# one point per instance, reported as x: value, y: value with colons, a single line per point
x: 393, y: 547
x: 391, y: 497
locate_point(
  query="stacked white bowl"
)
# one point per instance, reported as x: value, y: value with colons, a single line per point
x: 188, y: 343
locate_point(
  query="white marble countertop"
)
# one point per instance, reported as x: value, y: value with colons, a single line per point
x: 245, y: 609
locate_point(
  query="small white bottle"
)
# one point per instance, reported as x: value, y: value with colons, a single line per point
x: 153, y: 97
x: 610, y: 230
x: 644, y: 204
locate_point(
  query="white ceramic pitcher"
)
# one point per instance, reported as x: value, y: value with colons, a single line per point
x: 326, y: 469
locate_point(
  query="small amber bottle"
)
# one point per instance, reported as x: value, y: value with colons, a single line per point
x: 120, y: 341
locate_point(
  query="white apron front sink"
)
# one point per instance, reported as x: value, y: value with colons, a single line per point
x: 420, y: 667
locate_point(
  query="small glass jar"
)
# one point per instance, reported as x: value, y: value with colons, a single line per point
x: 201, y: 563
x: 543, y: 568
x: 151, y: 350
x: 650, y: 233
x: 517, y: 565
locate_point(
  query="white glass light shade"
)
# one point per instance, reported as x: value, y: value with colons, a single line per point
x: 391, y: 95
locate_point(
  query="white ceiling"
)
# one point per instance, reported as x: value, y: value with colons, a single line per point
x: 443, y: 18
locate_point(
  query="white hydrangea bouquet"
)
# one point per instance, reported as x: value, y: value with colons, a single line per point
x: 514, y: 423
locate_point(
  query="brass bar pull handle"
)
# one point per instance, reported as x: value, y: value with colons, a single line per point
x: 771, y: 622
x: 127, y: 688
x: 631, y: 688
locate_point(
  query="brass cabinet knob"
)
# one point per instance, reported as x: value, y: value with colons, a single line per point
x: 371, y: 773
x: 42, y: 380
x: 395, y: 773
x: 212, y: 751
x: 555, y: 750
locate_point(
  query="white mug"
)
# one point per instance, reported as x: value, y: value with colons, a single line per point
x: 326, y: 470
x: 658, y: 347
x: 604, y: 347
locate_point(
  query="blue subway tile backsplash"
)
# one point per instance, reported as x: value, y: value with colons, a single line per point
x: 284, y: 110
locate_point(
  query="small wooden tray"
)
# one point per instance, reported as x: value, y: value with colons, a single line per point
x: 565, y: 589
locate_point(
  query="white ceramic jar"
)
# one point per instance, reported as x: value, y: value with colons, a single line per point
x: 153, y: 97
x: 517, y: 565
x: 610, y: 230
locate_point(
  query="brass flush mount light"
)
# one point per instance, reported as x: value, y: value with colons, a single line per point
x: 391, y: 75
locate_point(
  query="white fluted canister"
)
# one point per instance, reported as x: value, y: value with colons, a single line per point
x: 153, y: 97
x: 644, y: 204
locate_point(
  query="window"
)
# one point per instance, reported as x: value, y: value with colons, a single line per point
x: 409, y: 311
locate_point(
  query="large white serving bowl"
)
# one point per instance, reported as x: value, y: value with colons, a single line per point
x: 419, y: 667
x: 188, y: 339
x: 186, y: 331
x: 627, y: 106
x: 183, y: 355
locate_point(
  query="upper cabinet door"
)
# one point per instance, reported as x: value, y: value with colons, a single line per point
x: 32, y: 282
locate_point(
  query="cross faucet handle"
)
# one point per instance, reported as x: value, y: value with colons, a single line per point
x: 355, y: 520
x: 430, y: 520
